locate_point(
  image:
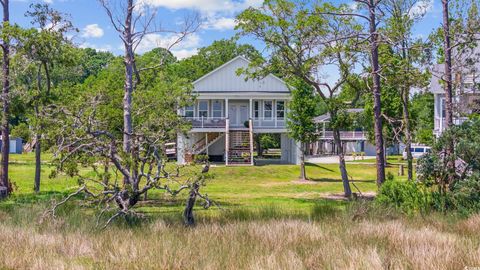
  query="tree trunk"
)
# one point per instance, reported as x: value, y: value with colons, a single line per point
x: 408, y: 135
x: 343, y: 168
x: 38, y: 162
x: 188, y: 212
x: 377, y: 110
x: 447, y: 78
x: 303, y: 171
x: 5, y: 102
x: 128, y: 85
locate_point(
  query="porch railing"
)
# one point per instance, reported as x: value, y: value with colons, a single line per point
x: 207, y: 122
x: 344, y: 135
x: 262, y: 122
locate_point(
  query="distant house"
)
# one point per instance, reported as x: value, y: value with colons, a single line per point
x: 229, y: 110
x: 466, y: 90
x: 16, y: 145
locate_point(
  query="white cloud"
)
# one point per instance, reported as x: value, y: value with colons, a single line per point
x: 102, y: 48
x: 48, y: 1
x: 221, y: 23
x: 421, y: 8
x: 151, y: 41
x: 203, y: 6
x: 184, y: 53
x: 92, y: 31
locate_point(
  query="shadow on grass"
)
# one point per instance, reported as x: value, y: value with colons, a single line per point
x: 318, y: 166
x: 330, y: 180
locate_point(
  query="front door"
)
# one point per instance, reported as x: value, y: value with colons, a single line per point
x: 238, y: 114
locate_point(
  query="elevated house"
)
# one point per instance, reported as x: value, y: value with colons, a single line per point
x: 229, y: 110
x: 466, y: 89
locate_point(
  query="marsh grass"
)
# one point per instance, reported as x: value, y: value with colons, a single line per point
x: 261, y: 238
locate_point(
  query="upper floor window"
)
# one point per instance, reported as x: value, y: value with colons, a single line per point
x: 203, y: 108
x: 217, y: 108
x: 189, y: 111
x: 268, y: 109
x: 256, y: 109
x: 280, y: 109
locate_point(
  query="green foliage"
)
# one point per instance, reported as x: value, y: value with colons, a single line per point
x: 302, y: 110
x: 422, y: 107
x: 465, y: 195
x: 21, y: 131
x: 408, y: 197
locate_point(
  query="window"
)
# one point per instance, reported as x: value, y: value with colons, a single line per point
x: 442, y: 107
x: 280, y: 109
x: 203, y: 108
x: 217, y: 108
x: 189, y: 111
x: 268, y: 109
x: 256, y: 109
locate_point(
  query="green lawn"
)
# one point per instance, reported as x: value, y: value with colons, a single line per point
x: 232, y: 187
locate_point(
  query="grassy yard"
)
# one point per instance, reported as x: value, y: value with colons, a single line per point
x: 268, y: 220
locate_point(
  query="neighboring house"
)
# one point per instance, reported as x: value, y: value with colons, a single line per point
x: 466, y: 90
x: 16, y: 145
x: 354, y: 141
x: 229, y: 110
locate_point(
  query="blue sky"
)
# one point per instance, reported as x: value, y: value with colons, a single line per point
x: 218, y: 15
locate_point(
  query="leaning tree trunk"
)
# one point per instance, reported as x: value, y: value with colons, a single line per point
x: 5, y: 102
x: 447, y: 78
x: 303, y: 170
x: 343, y: 168
x: 188, y: 212
x: 377, y: 109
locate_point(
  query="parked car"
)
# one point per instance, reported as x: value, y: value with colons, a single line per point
x: 417, y: 151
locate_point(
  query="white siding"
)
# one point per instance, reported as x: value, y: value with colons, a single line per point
x: 225, y: 79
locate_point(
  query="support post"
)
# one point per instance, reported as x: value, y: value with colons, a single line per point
x: 227, y: 139
x: 250, y: 129
x: 206, y: 143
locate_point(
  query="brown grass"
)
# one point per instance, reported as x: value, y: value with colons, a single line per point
x: 332, y: 243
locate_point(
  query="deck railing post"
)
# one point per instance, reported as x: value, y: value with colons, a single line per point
x: 250, y: 129
x: 227, y: 139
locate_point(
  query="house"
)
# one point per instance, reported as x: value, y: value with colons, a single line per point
x: 229, y: 110
x: 354, y: 141
x: 466, y: 90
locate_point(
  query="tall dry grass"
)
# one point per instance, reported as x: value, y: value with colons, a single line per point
x: 332, y: 242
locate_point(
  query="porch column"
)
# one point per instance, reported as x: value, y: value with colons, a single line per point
x: 250, y: 109
x: 226, y: 108
x: 250, y: 127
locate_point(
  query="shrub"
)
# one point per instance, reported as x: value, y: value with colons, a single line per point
x: 465, y: 196
x: 408, y: 197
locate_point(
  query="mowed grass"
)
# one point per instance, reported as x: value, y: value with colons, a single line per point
x: 246, y: 187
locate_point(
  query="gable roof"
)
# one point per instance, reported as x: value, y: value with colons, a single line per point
x: 226, y: 79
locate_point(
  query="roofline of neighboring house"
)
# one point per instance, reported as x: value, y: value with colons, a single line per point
x: 232, y: 60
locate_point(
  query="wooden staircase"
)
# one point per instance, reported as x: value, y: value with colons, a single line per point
x: 240, y: 147
x: 205, y: 142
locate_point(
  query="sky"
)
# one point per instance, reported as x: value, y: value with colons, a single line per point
x: 218, y: 18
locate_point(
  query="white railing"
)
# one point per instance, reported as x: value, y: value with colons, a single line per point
x: 440, y: 123
x: 207, y: 122
x: 272, y: 122
x: 344, y: 135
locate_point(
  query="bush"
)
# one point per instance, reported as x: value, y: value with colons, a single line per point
x: 408, y: 197
x: 464, y: 196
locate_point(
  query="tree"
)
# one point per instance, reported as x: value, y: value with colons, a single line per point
x: 422, y: 106
x: 457, y: 41
x: 302, y: 43
x: 44, y: 48
x: 132, y: 27
x: 211, y: 57
x: 5, y: 129
x: 404, y: 60
x: 301, y: 111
